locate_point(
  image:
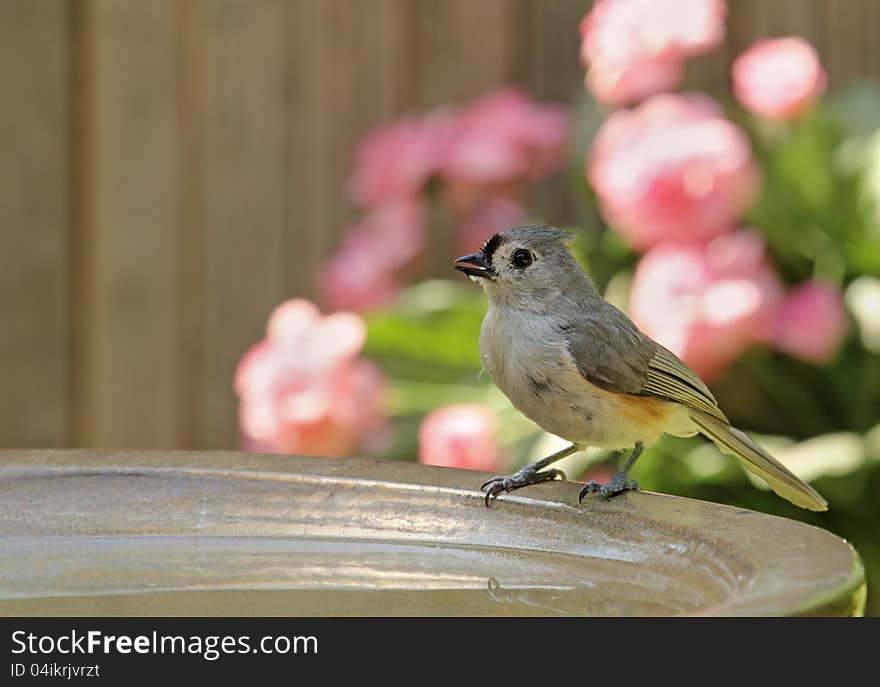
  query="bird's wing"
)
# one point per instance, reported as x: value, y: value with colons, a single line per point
x: 611, y: 352
x: 669, y: 377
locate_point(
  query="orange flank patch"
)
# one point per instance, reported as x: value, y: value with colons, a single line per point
x: 652, y: 412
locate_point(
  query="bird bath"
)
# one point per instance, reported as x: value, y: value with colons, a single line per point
x: 110, y: 533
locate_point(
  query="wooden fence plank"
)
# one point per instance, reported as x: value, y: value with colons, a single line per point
x: 129, y: 288
x: 34, y: 200
x: 554, y: 44
x: 870, y: 67
x: 243, y: 174
x: 464, y: 49
x: 191, y: 287
x: 556, y: 74
x: 346, y: 72
x: 308, y: 227
x: 851, y: 39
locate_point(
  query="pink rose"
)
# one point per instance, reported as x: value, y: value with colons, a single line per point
x: 394, y: 161
x: 672, y: 169
x: 636, y: 48
x: 365, y: 272
x: 303, y: 388
x: 496, y: 214
x: 812, y: 322
x: 460, y: 436
x: 779, y: 78
x: 707, y: 304
x: 498, y: 144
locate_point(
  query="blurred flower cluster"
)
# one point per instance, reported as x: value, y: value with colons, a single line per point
x: 304, y: 389
x: 779, y: 79
x: 478, y: 161
x: 675, y: 177
x: 636, y: 48
x: 460, y: 436
x: 739, y: 230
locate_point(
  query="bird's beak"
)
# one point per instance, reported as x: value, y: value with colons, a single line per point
x: 475, y: 265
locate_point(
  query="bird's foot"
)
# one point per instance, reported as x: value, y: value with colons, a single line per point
x: 521, y: 478
x: 618, y: 484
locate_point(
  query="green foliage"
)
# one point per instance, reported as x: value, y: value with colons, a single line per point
x: 813, y: 210
x: 431, y: 335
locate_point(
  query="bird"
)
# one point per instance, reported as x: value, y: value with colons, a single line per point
x: 578, y: 367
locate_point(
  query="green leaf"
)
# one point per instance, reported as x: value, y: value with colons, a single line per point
x: 856, y: 108
x: 431, y: 334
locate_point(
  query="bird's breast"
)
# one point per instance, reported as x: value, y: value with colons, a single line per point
x: 530, y: 362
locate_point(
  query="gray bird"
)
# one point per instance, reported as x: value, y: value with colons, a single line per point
x: 578, y: 367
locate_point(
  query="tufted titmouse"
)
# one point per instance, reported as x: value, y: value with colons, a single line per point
x: 579, y: 367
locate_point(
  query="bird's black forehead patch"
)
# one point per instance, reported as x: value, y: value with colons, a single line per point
x: 491, y: 246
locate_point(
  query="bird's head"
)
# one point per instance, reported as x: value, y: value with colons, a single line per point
x: 523, y: 265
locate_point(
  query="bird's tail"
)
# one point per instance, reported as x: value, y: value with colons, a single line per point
x: 757, y: 460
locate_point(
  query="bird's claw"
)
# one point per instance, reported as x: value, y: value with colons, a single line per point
x: 606, y: 491
x: 521, y: 478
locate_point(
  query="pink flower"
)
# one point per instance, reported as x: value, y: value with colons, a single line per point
x: 812, y: 322
x: 353, y: 279
x: 672, y: 169
x: 304, y: 390
x: 779, y: 78
x: 636, y: 48
x: 364, y: 273
x: 496, y: 214
x: 460, y: 436
x: 499, y: 142
x: 707, y: 304
x: 394, y: 161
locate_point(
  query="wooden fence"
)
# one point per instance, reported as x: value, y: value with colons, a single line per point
x: 170, y: 171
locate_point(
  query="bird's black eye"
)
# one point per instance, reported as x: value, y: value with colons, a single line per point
x: 521, y: 258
